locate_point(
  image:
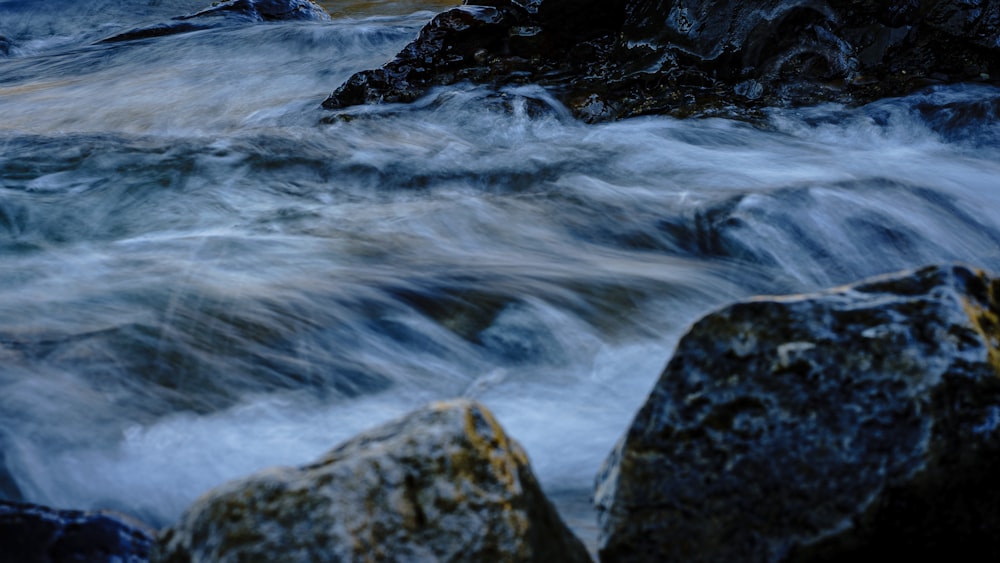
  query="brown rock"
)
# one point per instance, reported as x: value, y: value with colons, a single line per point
x: 441, y: 484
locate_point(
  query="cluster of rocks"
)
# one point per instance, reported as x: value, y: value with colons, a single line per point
x: 860, y: 421
x: 608, y: 59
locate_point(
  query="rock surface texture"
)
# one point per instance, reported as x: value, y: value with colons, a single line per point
x: 30, y: 533
x: 856, y: 423
x: 608, y: 59
x: 442, y: 484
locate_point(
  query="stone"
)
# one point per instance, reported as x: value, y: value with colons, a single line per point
x: 264, y: 10
x: 859, y: 422
x: 30, y: 532
x: 618, y: 58
x: 443, y: 483
x: 229, y: 11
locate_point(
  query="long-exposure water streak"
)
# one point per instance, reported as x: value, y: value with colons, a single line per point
x: 202, y: 276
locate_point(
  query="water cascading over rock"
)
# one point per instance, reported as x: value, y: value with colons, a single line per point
x: 858, y: 422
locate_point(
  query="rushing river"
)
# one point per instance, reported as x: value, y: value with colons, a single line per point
x: 200, y: 276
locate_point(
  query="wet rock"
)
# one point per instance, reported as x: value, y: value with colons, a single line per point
x: 32, y: 533
x: 620, y: 58
x: 453, y: 46
x: 158, y: 30
x: 967, y: 119
x: 859, y: 422
x: 443, y: 483
x: 264, y: 10
x: 221, y: 13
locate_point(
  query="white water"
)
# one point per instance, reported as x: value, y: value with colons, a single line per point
x: 200, y: 279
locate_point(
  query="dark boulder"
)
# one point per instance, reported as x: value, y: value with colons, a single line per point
x: 618, y: 58
x: 31, y: 533
x: 441, y: 484
x: 454, y: 46
x: 230, y: 11
x: 862, y: 422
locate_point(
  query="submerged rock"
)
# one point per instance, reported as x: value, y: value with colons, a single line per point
x: 618, y: 58
x: 158, y: 30
x: 443, y: 483
x: 860, y: 422
x: 264, y: 10
x: 30, y: 532
x: 220, y: 13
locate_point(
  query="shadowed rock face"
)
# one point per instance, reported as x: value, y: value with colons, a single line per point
x: 857, y: 423
x: 442, y: 484
x: 31, y: 533
x: 619, y: 58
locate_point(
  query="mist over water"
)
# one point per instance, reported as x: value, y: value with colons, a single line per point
x: 200, y: 277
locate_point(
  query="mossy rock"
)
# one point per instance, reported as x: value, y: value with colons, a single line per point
x: 444, y: 483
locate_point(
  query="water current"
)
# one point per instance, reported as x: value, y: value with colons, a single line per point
x: 200, y: 276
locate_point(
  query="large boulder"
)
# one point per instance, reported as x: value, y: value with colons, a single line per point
x: 443, y: 483
x: 859, y: 422
x: 609, y: 59
x: 31, y: 533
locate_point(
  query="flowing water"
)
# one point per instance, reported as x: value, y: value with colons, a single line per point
x: 201, y: 276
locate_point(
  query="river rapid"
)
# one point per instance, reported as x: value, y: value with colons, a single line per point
x: 203, y: 274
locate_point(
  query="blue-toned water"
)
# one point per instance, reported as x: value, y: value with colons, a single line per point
x: 199, y: 277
